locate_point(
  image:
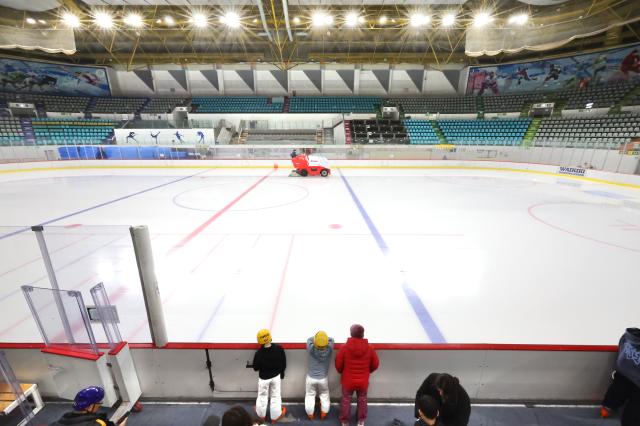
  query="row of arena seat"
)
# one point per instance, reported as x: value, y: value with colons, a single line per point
x: 485, y: 132
x: 49, y: 131
x: 10, y: 131
x: 237, y: 104
x: 335, y: 104
x: 379, y: 132
x: 600, y: 96
x: 421, y: 132
x: 610, y: 130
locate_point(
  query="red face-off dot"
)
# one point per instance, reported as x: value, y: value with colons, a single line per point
x: 335, y: 226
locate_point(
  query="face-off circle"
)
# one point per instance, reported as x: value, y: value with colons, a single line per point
x: 212, y: 198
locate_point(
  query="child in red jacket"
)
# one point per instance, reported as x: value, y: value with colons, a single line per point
x: 356, y: 360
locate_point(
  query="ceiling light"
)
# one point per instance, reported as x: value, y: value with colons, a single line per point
x: 255, y: 20
x: 448, y: 20
x: 361, y: 20
x: 320, y: 19
x: 519, y: 19
x: 382, y: 20
x: 103, y: 20
x: 296, y: 20
x: 133, y: 20
x: 71, y: 20
x: 351, y: 20
x: 419, y: 20
x: 482, y: 19
x: 42, y: 21
x: 31, y: 21
x: 169, y: 21
x: 199, y: 20
x: 231, y: 19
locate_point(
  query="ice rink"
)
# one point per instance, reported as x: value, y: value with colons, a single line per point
x: 420, y: 255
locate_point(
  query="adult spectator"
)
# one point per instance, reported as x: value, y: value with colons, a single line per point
x: 428, y: 411
x: 356, y: 360
x: 270, y: 362
x: 320, y: 348
x: 624, y: 390
x: 85, y: 410
x: 455, y: 405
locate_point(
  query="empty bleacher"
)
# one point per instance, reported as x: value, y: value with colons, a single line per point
x: 118, y: 105
x: 485, y: 132
x: 49, y: 102
x: 236, y: 104
x: 281, y: 136
x: 334, y: 104
x: 51, y: 131
x: 379, y: 132
x: 421, y: 132
x: 598, y: 96
x: 608, y: 131
x: 437, y: 104
x: 11, y: 132
x: 162, y: 105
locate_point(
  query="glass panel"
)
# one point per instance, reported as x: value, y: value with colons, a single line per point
x: 10, y: 386
x: 61, y: 317
x: 102, y: 254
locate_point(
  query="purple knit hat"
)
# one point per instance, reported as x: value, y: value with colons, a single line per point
x: 357, y: 331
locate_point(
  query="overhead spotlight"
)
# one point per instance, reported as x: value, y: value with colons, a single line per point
x: 31, y: 21
x: 169, y: 21
x: 361, y: 20
x: 255, y: 20
x: 419, y: 20
x: 199, y: 20
x: 133, y: 20
x: 482, y: 19
x: 103, y: 20
x: 320, y: 19
x: 382, y: 20
x: 296, y: 20
x: 519, y: 19
x: 351, y: 20
x: 42, y: 21
x: 448, y: 20
x: 231, y: 19
x: 71, y: 20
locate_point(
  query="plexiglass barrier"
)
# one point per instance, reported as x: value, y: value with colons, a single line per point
x: 107, y: 315
x: 585, y: 153
x: 17, y: 409
x: 85, y: 255
x: 62, y: 318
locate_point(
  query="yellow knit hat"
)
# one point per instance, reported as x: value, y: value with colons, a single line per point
x: 321, y: 340
x: 264, y: 336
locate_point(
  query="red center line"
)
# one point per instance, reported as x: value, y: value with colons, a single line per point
x: 282, y: 280
x: 195, y: 233
x: 39, y: 257
x: 219, y: 213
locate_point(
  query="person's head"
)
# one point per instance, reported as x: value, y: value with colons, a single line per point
x: 236, y: 416
x: 89, y: 399
x: 357, y: 331
x: 447, y: 386
x: 428, y: 409
x: 212, y: 420
x: 264, y: 337
x: 321, y: 340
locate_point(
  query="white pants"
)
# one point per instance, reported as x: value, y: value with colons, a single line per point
x: 266, y: 388
x: 313, y: 387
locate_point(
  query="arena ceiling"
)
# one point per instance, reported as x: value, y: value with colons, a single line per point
x: 288, y: 32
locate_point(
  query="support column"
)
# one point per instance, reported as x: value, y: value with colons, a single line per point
x: 150, y: 290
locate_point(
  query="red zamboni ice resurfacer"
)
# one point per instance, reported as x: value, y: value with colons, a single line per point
x: 310, y: 165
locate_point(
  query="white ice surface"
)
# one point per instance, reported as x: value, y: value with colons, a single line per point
x: 495, y: 257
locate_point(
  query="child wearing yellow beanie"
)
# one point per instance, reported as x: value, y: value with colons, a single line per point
x: 320, y: 349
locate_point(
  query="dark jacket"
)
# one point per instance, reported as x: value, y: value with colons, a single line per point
x: 453, y: 412
x: 82, y: 419
x: 270, y: 362
x: 628, y: 362
x: 356, y: 360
